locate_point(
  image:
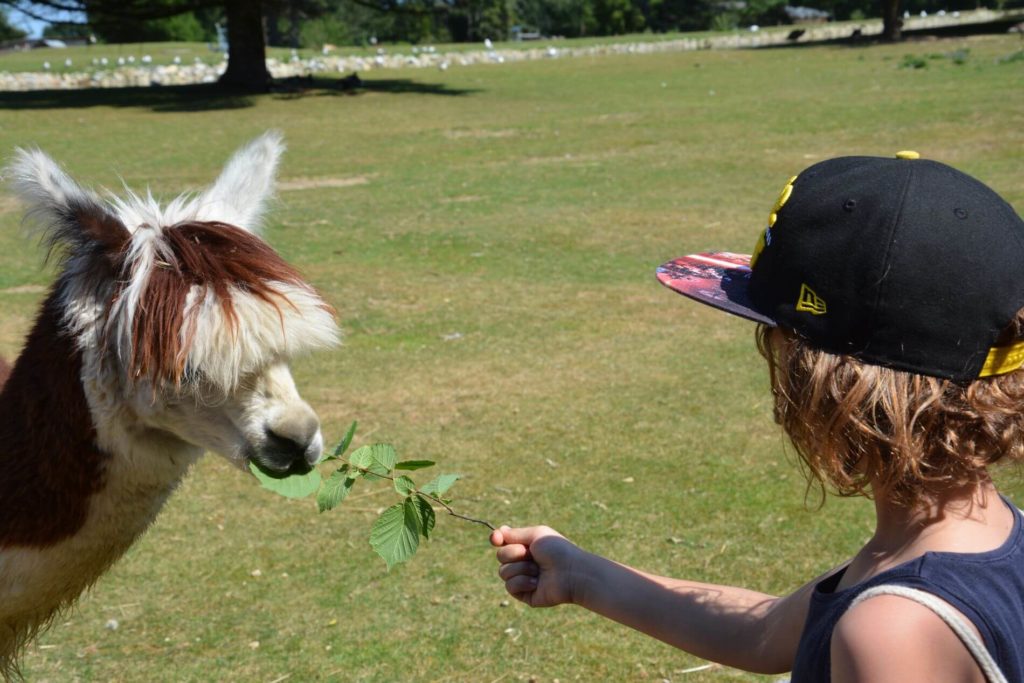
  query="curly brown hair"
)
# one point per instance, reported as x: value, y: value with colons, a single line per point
x: 912, y: 436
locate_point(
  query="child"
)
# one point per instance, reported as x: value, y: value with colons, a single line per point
x: 889, y: 297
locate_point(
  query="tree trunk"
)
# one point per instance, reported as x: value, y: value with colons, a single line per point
x: 273, y: 19
x: 247, y: 50
x: 892, y: 22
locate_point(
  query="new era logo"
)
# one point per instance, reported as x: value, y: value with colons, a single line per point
x: 809, y: 302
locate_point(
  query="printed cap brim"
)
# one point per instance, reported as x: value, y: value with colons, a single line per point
x: 718, y: 278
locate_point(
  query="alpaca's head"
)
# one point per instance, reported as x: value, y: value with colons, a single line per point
x: 182, y: 312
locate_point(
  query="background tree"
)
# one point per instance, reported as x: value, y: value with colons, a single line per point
x: 8, y: 32
x: 247, y: 47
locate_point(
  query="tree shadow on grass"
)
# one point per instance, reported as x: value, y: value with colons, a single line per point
x: 297, y: 88
x: 211, y: 97
x: 855, y: 39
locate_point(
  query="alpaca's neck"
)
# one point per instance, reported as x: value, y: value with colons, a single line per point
x: 79, y: 479
x: 51, y: 466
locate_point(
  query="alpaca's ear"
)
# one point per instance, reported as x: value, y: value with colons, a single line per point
x: 70, y: 216
x: 240, y: 193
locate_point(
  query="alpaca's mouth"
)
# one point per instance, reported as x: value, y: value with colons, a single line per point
x: 277, y: 462
x: 296, y: 468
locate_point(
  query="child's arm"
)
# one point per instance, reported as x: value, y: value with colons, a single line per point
x: 734, y: 626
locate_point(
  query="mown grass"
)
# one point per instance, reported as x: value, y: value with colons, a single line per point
x: 525, y: 208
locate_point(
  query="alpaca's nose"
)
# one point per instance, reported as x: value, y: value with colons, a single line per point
x: 293, y: 441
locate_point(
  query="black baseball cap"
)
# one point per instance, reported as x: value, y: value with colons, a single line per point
x: 900, y: 262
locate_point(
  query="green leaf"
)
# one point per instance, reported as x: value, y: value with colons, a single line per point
x: 410, y: 465
x: 290, y: 486
x: 395, y: 535
x: 378, y: 458
x: 361, y: 457
x: 440, y: 484
x: 335, y: 489
x: 343, y: 445
x: 404, y: 485
x: 426, y: 513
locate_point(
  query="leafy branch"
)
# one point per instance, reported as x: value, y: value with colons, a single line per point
x: 395, y: 535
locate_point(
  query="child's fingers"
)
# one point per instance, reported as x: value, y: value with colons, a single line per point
x: 525, y: 535
x: 512, y: 553
x: 520, y: 584
x: 507, y: 571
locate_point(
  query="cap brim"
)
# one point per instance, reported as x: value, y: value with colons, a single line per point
x: 718, y: 278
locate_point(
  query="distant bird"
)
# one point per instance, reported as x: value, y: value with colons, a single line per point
x: 488, y: 44
x: 67, y: 62
x: 46, y: 66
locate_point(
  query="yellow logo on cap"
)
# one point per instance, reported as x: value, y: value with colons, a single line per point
x: 773, y: 216
x: 809, y: 302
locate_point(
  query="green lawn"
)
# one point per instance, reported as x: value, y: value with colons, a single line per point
x: 524, y: 207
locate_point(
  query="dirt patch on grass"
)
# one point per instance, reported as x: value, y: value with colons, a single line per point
x: 320, y: 183
x: 478, y: 134
x: 9, y: 204
x: 24, y: 289
x: 462, y: 199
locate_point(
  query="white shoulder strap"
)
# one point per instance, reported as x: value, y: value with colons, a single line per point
x: 969, y: 638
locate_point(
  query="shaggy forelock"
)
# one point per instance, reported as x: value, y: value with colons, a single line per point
x: 210, y: 301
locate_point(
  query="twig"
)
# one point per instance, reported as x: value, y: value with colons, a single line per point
x: 453, y: 513
x: 367, y: 473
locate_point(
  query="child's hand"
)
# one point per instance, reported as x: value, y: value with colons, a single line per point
x: 536, y: 564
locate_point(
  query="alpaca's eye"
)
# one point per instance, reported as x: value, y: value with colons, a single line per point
x: 190, y: 375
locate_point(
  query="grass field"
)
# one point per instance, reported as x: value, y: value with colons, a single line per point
x: 489, y: 237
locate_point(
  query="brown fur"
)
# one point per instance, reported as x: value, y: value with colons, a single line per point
x: 49, y: 473
x: 212, y: 256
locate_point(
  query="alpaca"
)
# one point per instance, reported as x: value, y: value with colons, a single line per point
x: 166, y: 334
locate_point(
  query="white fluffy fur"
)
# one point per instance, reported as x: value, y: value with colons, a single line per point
x: 239, y: 196
x: 298, y: 324
x: 44, y: 187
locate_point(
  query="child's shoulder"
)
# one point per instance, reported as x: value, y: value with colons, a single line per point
x: 894, y: 638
